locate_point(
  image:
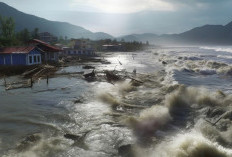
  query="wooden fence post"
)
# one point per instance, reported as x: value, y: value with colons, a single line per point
x: 47, y: 79
x: 31, y: 82
x: 5, y: 80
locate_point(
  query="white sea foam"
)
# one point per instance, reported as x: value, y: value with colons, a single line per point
x: 191, y: 144
x: 219, y: 49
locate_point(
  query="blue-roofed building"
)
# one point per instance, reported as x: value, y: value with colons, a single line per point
x: 29, y: 55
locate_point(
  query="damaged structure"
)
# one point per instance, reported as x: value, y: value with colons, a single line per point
x: 81, y: 47
x: 37, y: 52
x: 49, y: 53
x: 29, y: 55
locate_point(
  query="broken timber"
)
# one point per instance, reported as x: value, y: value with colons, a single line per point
x: 110, y: 76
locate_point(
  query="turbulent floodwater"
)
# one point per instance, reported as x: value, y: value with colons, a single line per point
x: 181, y: 107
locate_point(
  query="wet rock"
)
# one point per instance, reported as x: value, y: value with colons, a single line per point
x: 72, y: 137
x: 126, y: 151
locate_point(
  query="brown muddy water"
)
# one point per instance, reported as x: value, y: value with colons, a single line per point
x: 183, y: 108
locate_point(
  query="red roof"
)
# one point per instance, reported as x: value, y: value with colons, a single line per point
x: 46, y: 46
x: 16, y: 50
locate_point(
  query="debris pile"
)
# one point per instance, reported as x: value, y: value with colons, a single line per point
x: 40, y: 71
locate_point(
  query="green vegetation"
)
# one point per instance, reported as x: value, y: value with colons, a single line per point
x: 30, y: 22
x: 7, y: 27
x: 7, y: 32
x: 8, y: 36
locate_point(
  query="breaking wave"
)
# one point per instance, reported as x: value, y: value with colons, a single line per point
x: 219, y: 49
x: 191, y: 144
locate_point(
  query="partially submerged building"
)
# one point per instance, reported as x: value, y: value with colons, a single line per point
x: 29, y: 55
x: 50, y: 53
x: 36, y: 53
x: 110, y: 47
x: 81, y: 47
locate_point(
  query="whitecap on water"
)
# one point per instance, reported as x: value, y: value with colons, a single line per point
x: 191, y: 144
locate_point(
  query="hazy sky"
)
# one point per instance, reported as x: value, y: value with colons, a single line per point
x: 119, y: 17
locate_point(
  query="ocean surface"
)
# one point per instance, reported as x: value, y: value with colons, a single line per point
x: 180, y: 106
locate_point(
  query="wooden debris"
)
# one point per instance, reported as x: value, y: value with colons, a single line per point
x: 69, y: 73
x: 29, y: 141
x: 135, y: 79
x: 42, y: 70
x: 30, y: 72
x: 225, y: 115
x: 119, y: 62
x: 5, y: 81
x: 105, y: 62
x: 110, y: 76
x: 90, y: 75
x: 88, y: 67
x: 132, y: 106
x: 72, y: 137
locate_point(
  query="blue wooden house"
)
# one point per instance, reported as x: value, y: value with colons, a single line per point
x: 49, y: 53
x: 29, y: 55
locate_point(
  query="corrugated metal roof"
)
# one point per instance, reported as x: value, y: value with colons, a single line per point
x: 53, y: 48
x: 17, y: 50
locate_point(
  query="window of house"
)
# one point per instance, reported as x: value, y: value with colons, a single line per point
x: 30, y: 59
x: 52, y: 55
x: 35, y: 59
x: 38, y: 59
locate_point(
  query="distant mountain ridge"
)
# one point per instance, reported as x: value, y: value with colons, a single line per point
x: 139, y: 37
x: 205, y: 35
x: 23, y: 20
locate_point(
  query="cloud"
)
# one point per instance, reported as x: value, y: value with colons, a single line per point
x: 157, y: 16
x: 131, y: 6
x: 196, y: 4
x: 123, y: 6
x: 119, y: 6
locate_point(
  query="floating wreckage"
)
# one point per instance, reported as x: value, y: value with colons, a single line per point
x: 112, y: 77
